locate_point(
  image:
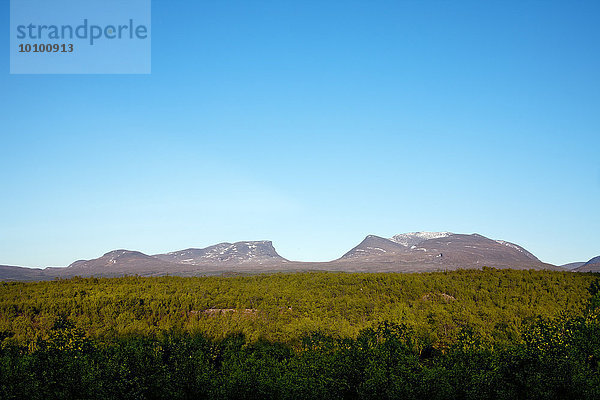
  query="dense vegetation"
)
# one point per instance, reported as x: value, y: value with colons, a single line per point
x: 468, y: 334
x: 285, y: 307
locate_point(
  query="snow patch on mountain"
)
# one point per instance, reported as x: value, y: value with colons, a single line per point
x: 509, y: 244
x: 414, y: 238
x: 518, y: 248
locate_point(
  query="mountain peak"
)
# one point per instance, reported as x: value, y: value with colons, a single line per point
x: 374, y: 246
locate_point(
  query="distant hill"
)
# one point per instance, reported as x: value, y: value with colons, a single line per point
x: 573, y: 265
x: 12, y: 273
x: 118, y: 263
x: 591, y: 266
x: 406, y: 252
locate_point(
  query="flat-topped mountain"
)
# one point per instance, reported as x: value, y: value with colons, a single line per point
x: 260, y: 252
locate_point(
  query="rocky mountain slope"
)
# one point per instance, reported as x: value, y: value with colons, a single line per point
x: 12, y: 273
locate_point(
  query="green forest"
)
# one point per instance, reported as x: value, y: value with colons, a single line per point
x: 465, y: 334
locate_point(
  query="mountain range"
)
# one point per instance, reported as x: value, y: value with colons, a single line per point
x: 407, y: 252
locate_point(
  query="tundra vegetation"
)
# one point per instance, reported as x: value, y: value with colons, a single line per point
x: 466, y: 334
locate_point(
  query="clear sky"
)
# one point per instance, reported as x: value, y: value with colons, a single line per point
x: 313, y: 124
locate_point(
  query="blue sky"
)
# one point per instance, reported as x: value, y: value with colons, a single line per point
x: 313, y: 124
